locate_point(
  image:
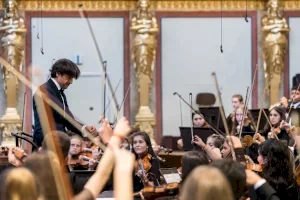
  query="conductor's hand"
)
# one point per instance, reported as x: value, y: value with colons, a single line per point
x: 92, y: 130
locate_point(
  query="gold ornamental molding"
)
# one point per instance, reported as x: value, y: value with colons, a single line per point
x: 157, y: 5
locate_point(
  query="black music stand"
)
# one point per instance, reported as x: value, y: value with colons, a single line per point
x: 186, y: 136
x: 263, y: 120
x: 213, y: 116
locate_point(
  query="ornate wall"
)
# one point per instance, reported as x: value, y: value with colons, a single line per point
x: 165, y: 9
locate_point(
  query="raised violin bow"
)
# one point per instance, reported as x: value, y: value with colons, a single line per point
x: 199, y: 113
x: 83, y: 13
x: 230, y: 143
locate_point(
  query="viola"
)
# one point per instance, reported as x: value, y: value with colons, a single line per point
x: 89, y: 152
x: 77, y: 160
x: 144, y: 164
x: 148, y: 193
x: 247, y: 141
x: 276, y: 130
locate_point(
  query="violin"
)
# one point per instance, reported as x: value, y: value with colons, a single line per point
x: 19, y: 154
x: 276, y: 130
x: 149, y: 193
x: 247, y: 141
x: 144, y: 164
x: 88, y: 152
x: 255, y: 167
x: 77, y: 160
x: 298, y: 174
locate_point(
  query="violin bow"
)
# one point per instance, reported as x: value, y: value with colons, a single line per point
x: 290, y: 109
x: 49, y: 101
x: 215, y: 129
x: 230, y: 143
x: 268, y: 120
x: 245, y: 111
x: 60, y: 176
x: 191, y: 114
x: 114, y: 93
x: 122, y: 103
x: 83, y: 13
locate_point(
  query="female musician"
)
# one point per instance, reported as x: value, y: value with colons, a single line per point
x: 75, y: 160
x: 248, y: 125
x: 276, y: 160
x: 213, y: 146
x: 198, y: 121
x: 236, y: 101
x: 146, y: 165
x: 277, y: 115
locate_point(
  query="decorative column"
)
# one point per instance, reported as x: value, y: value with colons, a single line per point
x: 12, y: 44
x: 275, y: 30
x: 144, y: 28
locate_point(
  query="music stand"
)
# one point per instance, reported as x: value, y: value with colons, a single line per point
x: 263, y: 120
x: 212, y: 115
x: 186, y: 136
x: 170, y: 175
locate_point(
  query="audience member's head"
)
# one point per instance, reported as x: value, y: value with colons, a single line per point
x: 60, y: 138
x: 191, y: 160
x: 44, y: 165
x: 206, y: 183
x: 19, y: 184
x: 235, y: 173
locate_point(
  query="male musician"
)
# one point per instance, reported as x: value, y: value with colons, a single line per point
x: 63, y: 72
x: 294, y: 99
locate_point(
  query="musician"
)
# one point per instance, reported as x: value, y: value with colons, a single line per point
x: 277, y: 115
x: 294, y: 101
x: 236, y: 101
x: 142, y: 149
x: 248, y: 125
x: 277, y: 162
x: 286, y: 102
x: 213, y: 146
x: 63, y: 72
x: 198, y: 121
x: 226, y: 152
x: 75, y: 152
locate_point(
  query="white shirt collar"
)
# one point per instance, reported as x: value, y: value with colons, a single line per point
x: 56, y: 83
x: 295, y: 105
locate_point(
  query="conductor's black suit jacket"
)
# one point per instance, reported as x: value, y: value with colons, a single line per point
x: 51, y: 90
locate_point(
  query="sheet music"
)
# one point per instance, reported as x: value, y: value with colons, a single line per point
x: 172, y: 178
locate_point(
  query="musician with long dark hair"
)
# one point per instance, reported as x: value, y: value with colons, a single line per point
x: 277, y: 162
x: 147, y: 164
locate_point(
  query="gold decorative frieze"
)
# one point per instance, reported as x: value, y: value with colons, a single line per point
x: 157, y: 5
